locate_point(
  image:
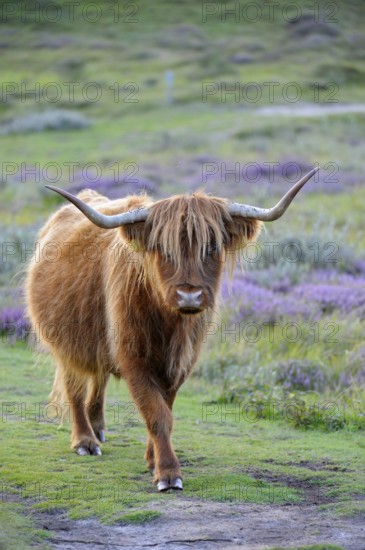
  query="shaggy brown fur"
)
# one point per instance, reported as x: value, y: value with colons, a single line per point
x: 105, y: 302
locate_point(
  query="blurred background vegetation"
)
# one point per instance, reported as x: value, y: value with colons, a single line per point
x: 137, y: 97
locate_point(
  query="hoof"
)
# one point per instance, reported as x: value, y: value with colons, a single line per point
x: 175, y: 484
x: 100, y: 435
x: 163, y: 486
x: 96, y: 451
x: 151, y: 471
x: 83, y: 451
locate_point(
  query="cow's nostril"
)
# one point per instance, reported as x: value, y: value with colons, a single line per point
x: 189, y: 299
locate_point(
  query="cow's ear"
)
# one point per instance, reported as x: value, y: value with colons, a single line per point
x: 135, y: 233
x: 241, y: 231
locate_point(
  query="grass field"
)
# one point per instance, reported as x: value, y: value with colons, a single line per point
x: 139, y: 100
x: 227, y: 454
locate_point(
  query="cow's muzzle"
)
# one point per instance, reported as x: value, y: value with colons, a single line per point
x: 189, y: 302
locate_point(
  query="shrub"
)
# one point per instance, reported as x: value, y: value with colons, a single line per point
x: 17, y: 244
x: 301, y: 375
x: 353, y: 374
x: 293, y: 292
x: 13, y: 324
x: 183, y: 37
x: 259, y: 304
x: 331, y: 297
x: 59, y: 119
x: 114, y: 188
x: 299, y: 411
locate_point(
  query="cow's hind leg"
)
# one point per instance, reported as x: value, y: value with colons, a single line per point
x: 158, y: 417
x: 95, y: 405
x: 83, y: 439
x: 150, y: 455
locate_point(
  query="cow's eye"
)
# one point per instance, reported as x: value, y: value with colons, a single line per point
x: 212, y: 248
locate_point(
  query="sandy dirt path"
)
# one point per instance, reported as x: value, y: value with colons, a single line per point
x: 187, y: 523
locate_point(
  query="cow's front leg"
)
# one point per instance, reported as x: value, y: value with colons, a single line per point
x: 158, y: 417
x: 150, y: 448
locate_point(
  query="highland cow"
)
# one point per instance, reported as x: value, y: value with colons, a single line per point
x: 130, y: 295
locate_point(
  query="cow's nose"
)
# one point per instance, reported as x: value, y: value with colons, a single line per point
x: 189, y: 299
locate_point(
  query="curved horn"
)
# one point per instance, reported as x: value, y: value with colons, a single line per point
x: 270, y: 214
x: 103, y: 220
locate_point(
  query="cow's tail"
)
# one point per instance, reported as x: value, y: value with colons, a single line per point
x: 57, y: 398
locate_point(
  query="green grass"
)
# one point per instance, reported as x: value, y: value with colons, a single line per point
x: 163, y: 39
x: 142, y: 516
x: 225, y: 457
x: 169, y: 136
x: 18, y: 531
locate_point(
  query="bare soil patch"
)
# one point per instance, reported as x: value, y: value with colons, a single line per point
x: 187, y: 523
